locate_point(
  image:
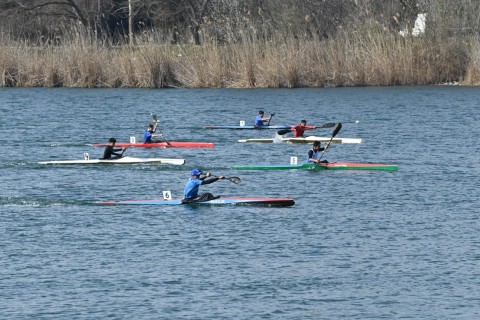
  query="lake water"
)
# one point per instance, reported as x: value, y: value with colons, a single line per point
x: 356, y: 245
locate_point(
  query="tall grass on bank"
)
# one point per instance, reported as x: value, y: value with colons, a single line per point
x: 367, y: 56
x: 472, y: 76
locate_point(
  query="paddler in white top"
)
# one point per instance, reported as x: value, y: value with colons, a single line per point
x: 314, y: 153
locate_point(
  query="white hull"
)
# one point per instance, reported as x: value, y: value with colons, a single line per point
x: 310, y: 139
x: 124, y: 160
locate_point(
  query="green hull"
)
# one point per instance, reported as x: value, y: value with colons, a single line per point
x: 323, y: 166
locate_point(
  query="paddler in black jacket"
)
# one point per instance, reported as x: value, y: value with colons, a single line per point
x: 111, y: 152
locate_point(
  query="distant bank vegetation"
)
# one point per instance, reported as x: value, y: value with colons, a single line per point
x: 357, y: 45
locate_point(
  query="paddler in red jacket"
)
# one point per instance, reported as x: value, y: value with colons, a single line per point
x: 299, y: 129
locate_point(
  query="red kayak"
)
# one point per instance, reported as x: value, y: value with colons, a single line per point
x: 163, y: 144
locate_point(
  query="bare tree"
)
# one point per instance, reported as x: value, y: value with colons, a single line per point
x: 224, y: 20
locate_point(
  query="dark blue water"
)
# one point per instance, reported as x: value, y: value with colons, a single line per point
x: 356, y: 245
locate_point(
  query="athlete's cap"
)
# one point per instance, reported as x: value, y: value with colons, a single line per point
x: 196, y: 172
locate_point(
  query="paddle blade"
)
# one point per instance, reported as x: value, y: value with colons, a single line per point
x: 328, y: 125
x: 235, y: 180
x: 337, y: 129
x: 284, y: 131
x: 154, y: 118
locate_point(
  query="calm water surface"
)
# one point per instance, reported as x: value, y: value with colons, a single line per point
x: 356, y: 245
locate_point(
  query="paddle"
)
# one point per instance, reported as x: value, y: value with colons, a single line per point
x: 235, y: 180
x: 334, y: 133
x: 155, y: 119
x: 328, y: 125
x: 271, y: 115
x: 123, y: 151
x: 284, y: 131
x: 333, y: 124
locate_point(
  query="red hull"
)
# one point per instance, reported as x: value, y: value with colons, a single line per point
x: 171, y: 144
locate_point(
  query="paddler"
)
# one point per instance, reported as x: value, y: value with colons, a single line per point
x: 260, y: 119
x: 147, y: 136
x: 314, y: 153
x: 299, y: 129
x: 111, y: 152
x: 193, y: 184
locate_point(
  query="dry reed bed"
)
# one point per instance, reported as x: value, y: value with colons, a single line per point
x: 359, y: 59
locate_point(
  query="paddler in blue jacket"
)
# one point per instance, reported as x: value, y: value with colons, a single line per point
x: 111, y: 152
x: 314, y: 153
x: 193, y: 184
x: 147, y: 136
x: 260, y: 119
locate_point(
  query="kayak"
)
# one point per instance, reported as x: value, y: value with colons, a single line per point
x: 124, y: 160
x: 239, y: 201
x: 323, y: 166
x: 254, y: 127
x: 356, y: 166
x: 163, y: 144
x: 310, y: 139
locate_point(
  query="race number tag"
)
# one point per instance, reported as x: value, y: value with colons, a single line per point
x: 167, y: 195
x: 242, y: 123
x: 132, y: 140
x: 293, y: 160
x: 86, y: 156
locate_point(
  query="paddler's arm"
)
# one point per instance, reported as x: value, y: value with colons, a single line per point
x: 211, y: 180
x: 115, y: 152
x: 310, y: 155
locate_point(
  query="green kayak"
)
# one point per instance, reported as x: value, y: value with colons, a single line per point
x: 322, y: 166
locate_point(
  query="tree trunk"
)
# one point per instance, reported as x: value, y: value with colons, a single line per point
x: 130, y: 23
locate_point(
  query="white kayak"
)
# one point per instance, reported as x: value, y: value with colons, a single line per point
x: 310, y: 139
x: 124, y: 160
